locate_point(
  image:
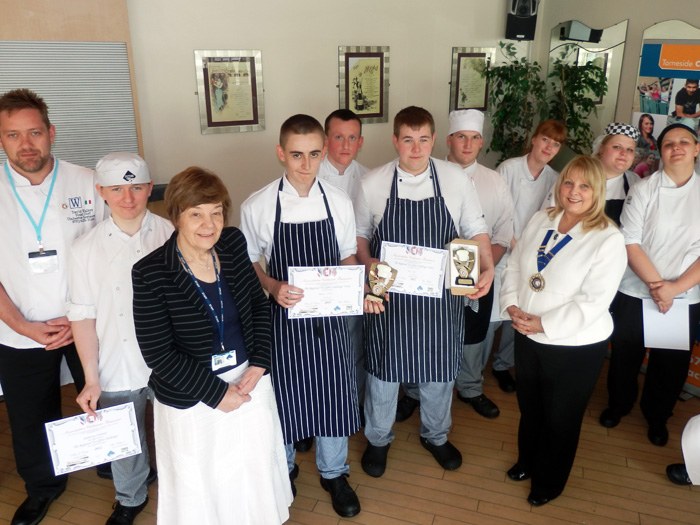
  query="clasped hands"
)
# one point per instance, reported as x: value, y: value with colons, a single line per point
x: 239, y: 393
x: 525, y: 323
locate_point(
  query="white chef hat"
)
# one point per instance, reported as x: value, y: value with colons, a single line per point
x: 122, y: 167
x: 466, y: 120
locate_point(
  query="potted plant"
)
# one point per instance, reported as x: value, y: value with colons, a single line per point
x: 575, y: 90
x: 516, y: 97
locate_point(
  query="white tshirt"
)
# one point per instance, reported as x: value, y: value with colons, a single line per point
x: 615, y: 187
x: 100, y: 289
x: 258, y: 216
x: 528, y: 193
x: 74, y: 208
x: 349, y: 181
x: 665, y: 221
x: 457, y: 190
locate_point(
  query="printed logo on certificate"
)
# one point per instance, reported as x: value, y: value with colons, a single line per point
x: 81, y: 441
x: 329, y: 291
x: 419, y: 270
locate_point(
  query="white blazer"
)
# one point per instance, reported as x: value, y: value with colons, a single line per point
x: 580, y: 282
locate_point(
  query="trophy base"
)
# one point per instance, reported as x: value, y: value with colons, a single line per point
x: 374, y: 298
x: 464, y: 281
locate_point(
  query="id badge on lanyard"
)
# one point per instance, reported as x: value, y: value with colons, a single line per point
x: 223, y: 360
x: 44, y: 261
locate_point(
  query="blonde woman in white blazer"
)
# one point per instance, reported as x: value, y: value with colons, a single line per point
x: 557, y: 287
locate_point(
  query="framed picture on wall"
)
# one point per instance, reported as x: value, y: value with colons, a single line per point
x: 468, y: 88
x: 230, y: 91
x: 363, y: 81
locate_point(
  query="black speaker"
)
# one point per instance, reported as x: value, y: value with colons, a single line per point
x: 521, y: 19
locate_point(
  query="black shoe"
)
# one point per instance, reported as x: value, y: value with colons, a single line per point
x: 446, y: 454
x: 482, y: 404
x: 294, y: 474
x: 33, y: 509
x: 537, y: 500
x: 104, y: 471
x: 505, y: 380
x: 678, y: 474
x: 609, y: 419
x: 124, y: 515
x: 518, y: 473
x: 374, y: 460
x: 343, y: 497
x: 304, y: 445
x: 658, y: 434
x: 405, y: 408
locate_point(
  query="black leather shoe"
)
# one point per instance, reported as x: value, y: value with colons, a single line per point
x: 482, y: 404
x: 446, y: 454
x: 505, y: 380
x: 374, y: 460
x: 304, y: 445
x: 658, y: 434
x: 33, y: 509
x: 294, y: 474
x: 609, y: 419
x: 678, y: 474
x: 124, y: 515
x: 537, y: 500
x: 405, y: 408
x: 343, y: 497
x: 518, y: 473
x: 104, y: 471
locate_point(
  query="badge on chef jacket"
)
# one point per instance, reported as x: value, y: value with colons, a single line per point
x: 45, y: 261
x: 223, y: 360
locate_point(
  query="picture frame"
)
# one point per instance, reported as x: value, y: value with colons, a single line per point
x: 468, y: 88
x: 363, y: 81
x: 600, y: 59
x: 230, y: 90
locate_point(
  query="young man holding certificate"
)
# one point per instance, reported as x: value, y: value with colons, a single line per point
x: 101, y: 315
x: 424, y: 203
x: 298, y: 221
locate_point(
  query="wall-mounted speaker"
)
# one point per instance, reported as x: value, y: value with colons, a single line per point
x: 521, y: 19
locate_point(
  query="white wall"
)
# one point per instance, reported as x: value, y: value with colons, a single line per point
x: 299, y: 42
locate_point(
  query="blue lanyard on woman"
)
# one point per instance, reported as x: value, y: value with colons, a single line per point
x: 537, y: 280
x: 219, y: 322
x: 37, y: 226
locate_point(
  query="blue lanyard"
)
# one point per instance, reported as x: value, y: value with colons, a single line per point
x: 219, y: 323
x: 39, y: 226
x: 544, y: 258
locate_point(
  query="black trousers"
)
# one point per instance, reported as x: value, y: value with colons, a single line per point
x: 555, y: 384
x: 476, y: 324
x: 30, y: 380
x: 667, y: 370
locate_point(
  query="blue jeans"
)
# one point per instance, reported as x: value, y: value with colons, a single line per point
x: 130, y: 473
x: 331, y: 456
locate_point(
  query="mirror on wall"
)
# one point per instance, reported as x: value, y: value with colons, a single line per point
x: 605, y: 48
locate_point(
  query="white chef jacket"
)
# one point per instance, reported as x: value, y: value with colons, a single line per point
x: 528, y: 192
x: 580, y: 281
x: 496, y: 202
x: 75, y: 207
x: 258, y: 216
x: 100, y: 288
x: 349, y: 181
x: 457, y: 190
x: 665, y: 221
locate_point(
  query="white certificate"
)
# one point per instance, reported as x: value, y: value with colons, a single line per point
x: 420, y: 270
x: 329, y: 291
x: 82, y: 441
x: 670, y: 330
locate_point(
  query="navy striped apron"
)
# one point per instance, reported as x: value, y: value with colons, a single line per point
x: 313, y: 369
x: 417, y: 339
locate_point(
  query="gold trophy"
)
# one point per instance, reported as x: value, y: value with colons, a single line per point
x: 463, y: 271
x: 464, y: 261
x: 381, y: 277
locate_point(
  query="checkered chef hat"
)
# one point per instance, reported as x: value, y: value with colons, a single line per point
x: 620, y: 128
